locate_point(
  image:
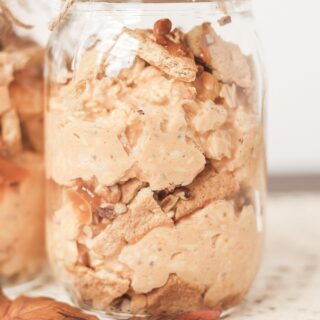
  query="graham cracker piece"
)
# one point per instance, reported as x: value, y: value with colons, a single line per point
x: 99, y: 288
x: 175, y: 296
x: 179, y: 67
x: 207, y: 187
x: 144, y: 214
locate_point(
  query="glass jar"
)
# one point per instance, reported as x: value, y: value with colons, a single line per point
x: 155, y: 155
x: 22, y: 250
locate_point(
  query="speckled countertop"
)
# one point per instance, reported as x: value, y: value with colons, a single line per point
x: 288, y: 286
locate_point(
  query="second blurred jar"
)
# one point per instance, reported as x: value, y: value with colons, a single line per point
x: 21, y: 162
x: 155, y: 156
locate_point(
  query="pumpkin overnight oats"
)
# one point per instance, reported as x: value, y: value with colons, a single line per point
x: 155, y: 169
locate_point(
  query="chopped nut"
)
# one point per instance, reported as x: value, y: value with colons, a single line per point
x: 169, y: 202
x: 207, y: 86
x: 104, y: 204
x: 229, y: 94
x: 178, y: 49
x: 161, y: 28
x: 110, y: 194
x: 170, y: 214
x: 219, y: 145
x: 87, y: 231
x: 172, y: 41
x: 224, y: 20
x: 105, y: 211
x: 219, y: 101
x: 120, y: 208
x: 176, y: 35
x: 11, y: 132
x: 183, y: 193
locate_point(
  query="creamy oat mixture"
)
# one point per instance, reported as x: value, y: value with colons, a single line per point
x: 21, y: 162
x: 154, y: 162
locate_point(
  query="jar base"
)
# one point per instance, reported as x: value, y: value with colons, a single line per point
x: 126, y: 316
x: 15, y: 290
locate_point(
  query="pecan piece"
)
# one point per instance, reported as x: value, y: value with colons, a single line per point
x: 160, y: 29
x: 169, y: 203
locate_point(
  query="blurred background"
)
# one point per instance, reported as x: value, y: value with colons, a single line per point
x: 289, y: 34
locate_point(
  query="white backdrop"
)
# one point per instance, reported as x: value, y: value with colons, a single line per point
x: 290, y: 33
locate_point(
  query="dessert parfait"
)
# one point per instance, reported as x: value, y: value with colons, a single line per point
x: 21, y: 163
x: 155, y: 168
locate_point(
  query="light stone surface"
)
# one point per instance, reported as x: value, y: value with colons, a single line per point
x: 288, y: 286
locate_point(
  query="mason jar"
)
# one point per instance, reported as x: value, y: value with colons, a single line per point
x: 155, y: 158
x: 22, y: 208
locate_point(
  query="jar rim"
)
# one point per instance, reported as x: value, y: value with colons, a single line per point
x: 161, y: 1
x: 223, y: 6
